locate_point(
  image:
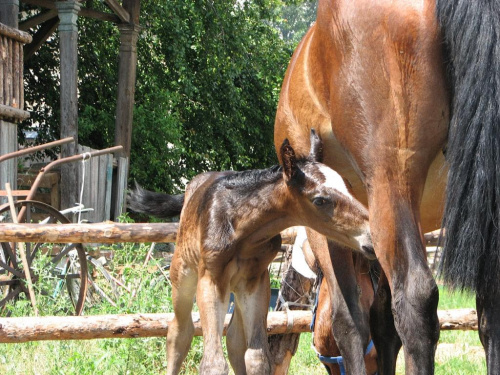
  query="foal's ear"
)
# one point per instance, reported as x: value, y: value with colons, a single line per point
x: 289, y: 161
x: 316, y: 152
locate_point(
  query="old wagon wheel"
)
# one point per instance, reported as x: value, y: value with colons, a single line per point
x: 51, y: 266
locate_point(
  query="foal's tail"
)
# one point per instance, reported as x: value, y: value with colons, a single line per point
x: 471, y: 257
x: 156, y: 204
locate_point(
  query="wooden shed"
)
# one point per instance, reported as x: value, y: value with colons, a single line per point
x: 61, y: 17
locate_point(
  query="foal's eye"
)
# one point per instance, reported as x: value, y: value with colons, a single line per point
x: 319, y: 201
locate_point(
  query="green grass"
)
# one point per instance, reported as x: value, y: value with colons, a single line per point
x: 460, y: 352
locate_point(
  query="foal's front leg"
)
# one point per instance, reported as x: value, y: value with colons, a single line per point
x: 212, y: 299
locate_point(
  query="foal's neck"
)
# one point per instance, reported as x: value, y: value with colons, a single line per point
x: 262, y: 212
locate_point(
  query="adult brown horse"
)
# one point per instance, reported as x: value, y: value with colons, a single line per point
x: 373, y: 74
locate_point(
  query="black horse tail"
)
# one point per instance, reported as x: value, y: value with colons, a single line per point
x: 157, y: 204
x: 471, y: 255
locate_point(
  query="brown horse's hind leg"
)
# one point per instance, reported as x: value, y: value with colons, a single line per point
x: 212, y: 300
x: 488, y: 311
x: 384, y: 332
x: 181, y: 329
x: 414, y: 292
x: 252, y: 301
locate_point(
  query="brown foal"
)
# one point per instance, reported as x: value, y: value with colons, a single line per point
x: 229, y: 233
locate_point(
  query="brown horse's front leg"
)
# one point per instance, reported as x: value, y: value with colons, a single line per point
x: 401, y: 253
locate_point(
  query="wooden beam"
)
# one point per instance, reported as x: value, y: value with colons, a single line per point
x: 47, y: 29
x: 117, y: 9
x: 96, y: 233
x: 11, y: 113
x: 16, y: 330
x: 84, y: 12
x: 93, y: 233
x: 127, y: 68
x: 17, y: 35
x: 133, y: 7
x: 37, y: 20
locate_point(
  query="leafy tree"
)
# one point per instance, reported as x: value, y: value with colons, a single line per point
x: 208, y: 80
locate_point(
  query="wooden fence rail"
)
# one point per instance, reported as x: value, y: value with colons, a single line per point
x: 16, y: 330
x: 107, y: 232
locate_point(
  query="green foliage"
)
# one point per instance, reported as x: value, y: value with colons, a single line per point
x: 208, y: 80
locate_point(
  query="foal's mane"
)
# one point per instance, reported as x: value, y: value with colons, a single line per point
x: 252, y: 179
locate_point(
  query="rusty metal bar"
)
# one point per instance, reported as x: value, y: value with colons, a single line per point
x: 57, y: 162
x: 30, y: 150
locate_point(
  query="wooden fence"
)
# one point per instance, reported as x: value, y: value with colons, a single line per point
x: 142, y: 325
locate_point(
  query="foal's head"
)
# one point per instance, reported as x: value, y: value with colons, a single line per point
x: 320, y: 199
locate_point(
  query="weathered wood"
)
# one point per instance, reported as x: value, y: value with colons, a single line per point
x: 37, y: 19
x: 93, y: 233
x: 129, y: 34
x: 14, y: 114
x: 8, y: 168
x: 15, y: 34
x: 68, y: 42
x: 43, y: 33
x: 459, y: 319
x: 117, y: 9
x: 49, y: 182
x: 16, y: 330
x: 119, y: 189
x: 83, y: 12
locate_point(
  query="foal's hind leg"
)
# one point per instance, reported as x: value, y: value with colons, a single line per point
x: 181, y: 329
x: 488, y: 312
x: 252, y: 303
x: 236, y: 343
x: 212, y: 300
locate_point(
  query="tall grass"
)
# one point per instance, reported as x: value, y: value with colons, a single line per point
x: 462, y: 353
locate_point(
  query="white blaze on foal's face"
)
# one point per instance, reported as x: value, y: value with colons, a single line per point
x: 333, y: 180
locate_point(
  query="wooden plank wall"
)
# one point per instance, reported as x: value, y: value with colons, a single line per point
x: 96, y: 175
x: 121, y: 186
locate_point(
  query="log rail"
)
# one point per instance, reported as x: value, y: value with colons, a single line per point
x: 108, y: 232
x: 17, y: 330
